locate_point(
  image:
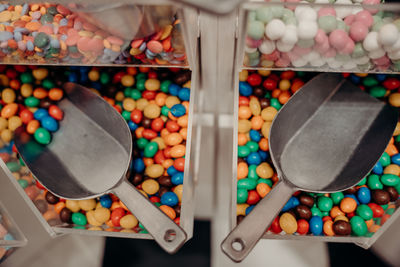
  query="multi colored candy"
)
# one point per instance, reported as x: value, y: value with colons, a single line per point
x: 155, y: 104
x: 334, y: 37
x: 358, y: 211
x: 53, y: 33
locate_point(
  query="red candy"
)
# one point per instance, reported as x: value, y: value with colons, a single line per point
x: 253, y: 197
x: 275, y: 226
x: 377, y: 211
x: 302, y: 227
x: 116, y: 216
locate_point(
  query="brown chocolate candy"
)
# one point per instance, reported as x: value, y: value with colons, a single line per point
x: 393, y: 194
x: 137, y: 179
x: 380, y: 197
x: 351, y: 190
x: 165, y: 181
x: 146, y: 122
x: 306, y: 200
x: 177, y: 209
x: 341, y: 227
x: 162, y: 191
x: 258, y: 91
x: 239, y: 219
x: 264, y: 102
x: 66, y: 215
x: 303, y: 212
x: 51, y: 199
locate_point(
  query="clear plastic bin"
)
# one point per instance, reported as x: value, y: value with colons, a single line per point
x: 11, y: 236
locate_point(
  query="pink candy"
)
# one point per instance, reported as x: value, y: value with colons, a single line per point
x: 338, y: 39
x: 365, y: 18
x: 358, y: 31
x: 326, y: 11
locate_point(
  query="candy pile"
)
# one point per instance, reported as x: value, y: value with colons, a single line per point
x: 358, y: 211
x: 52, y: 33
x: 336, y: 37
x: 4, y: 235
x: 155, y: 104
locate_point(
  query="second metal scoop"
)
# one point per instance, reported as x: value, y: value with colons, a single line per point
x: 89, y: 157
x: 327, y: 138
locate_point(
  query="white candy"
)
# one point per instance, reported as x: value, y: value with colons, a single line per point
x: 388, y: 34
x: 300, y: 62
x: 250, y: 49
x: 275, y: 29
x: 313, y: 55
x: 305, y: 13
x: 361, y: 60
x: 394, y: 47
x: 394, y: 55
x: 342, y: 12
x: 267, y: 47
x: 349, y: 65
x: 283, y: 47
x: 317, y: 62
x: 333, y: 63
x: 370, y: 42
x: 376, y: 53
x: 307, y: 29
x: 290, y: 36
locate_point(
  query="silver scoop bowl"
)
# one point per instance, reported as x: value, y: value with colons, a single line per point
x: 89, y: 156
x: 325, y: 139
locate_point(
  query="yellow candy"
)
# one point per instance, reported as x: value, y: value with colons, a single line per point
x: 241, y: 209
x: 264, y: 72
x: 5, y: 16
x: 150, y: 186
x: 166, y: 32
x: 102, y: 214
x: 152, y: 111
x: 40, y: 73
x: 119, y: 96
x: 94, y: 75
x: 128, y: 221
x: 341, y: 218
x: 264, y: 170
x: 8, y: 95
x: 394, y: 99
x: 244, y: 126
x: 6, y: 135
x: 284, y: 85
x: 95, y: 228
x: 129, y: 104
x: 392, y: 169
x: 87, y: 204
x: 127, y: 231
x: 3, y: 123
x: 152, y: 84
x: 255, y: 107
x: 171, y: 100
x: 288, y: 223
x: 265, y: 129
x: 127, y: 80
x: 243, y: 75
x: 268, y: 113
x: 91, y: 219
x: 178, y: 190
x: 160, y: 142
x: 154, y: 170
x: 4, y: 81
x: 72, y: 205
x: 14, y: 122
x: 397, y: 130
x: 141, y: 103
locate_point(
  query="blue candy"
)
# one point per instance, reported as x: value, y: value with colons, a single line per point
x: 73, y: 77
x: 184, y: 94
x: 292, y: 202
x: 169, y: 199
x: 255, y: 135
x: 133, y: 126
x: 378, y: 169
x: 178, y: 110
x: 49, y: 123
x: 380, y: 77
x: 316, y: 225
x: 106, y: 201
x: 396, y: 159
x: 364, y: 195
x: 245, y: 89
x: 253, y: 158
x: 174, y: 89
x: 177, y: 178
x: 249, y: 209
x: 263, y: 155
x: 355, y: 79
x: 40, y: 114
x: 171, y: 170
x: 138, y: 165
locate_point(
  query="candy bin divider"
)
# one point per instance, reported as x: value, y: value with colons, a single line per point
x: 19, y: 238
x: 190, y: 31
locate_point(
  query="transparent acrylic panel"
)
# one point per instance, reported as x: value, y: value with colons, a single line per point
x: 130, y: 90
x: 343, y: 37
x: 11, y: 236
x: 259, y: 95
x: 83, y: 33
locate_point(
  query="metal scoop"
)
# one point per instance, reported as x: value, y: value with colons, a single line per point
x: 89, y: 157
x: 326, y: 138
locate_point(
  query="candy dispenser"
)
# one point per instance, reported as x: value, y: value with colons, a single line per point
x: 270, y: 69
x: 11, y: 236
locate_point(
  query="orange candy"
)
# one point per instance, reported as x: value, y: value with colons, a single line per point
x: 242, y: 139
x: 170, y: 212
x: 263, y: 144
x: 59, y: 206
x: 178, y: 151
x: 244, y: 112
x: 391, y: 149
x: 56, y: 94
x: 335, y: 211
x: 348, y: 205
x: 328, y: 228
x: 284, y: 97
x: 32, y: 126
x: 296, y: 85
x: 242, y: 170
x: 40, y: 93
x: 263, y: 189
x: 256, y: 122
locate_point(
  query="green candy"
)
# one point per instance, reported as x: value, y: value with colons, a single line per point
x: 141, y: 76
x: 378, y: 221
x: 21, y: 162
x: 46, y: 18
x: 377, y: 25
x: 26, y: 77
x: 31, y: 101
x: 41, y: 40
x: 265, y: 14
x: 265, y: 181
x: 340, y: 25
x: 252, y: 172
x: 255, y: 29
x: 358, y: 52
x: 390, y: 211
x: 275, y: 103
x: 397, y: 138
x: 358, y: 226
x: 42, y: 136
x: 242, y: 195
x: 251, y: 16
x: 337, y: 197
x: 253, y: 146
x: 327, y: 23
x: 165, y: 86
x: 73, y: 49
x: 140, y: 84
x: 23, y: 183
x: 157, y: 204
x: 267, y: 95
x: 165, y: 111
x: 290, y: 20
x: 324, y: 203
x: 150, y: 149
x: 374, y: 182
x: 288, y: 17
x: 385, y: 159
x: 136, y: 94
x: 369, y: 234
x: 364, y: 212
x: 13, y: 166
x: 384, y: 207
x: 126, y: 115
x: 128, y: 92
x: 80, y: 227
x: 316, y: 212
x: 324, y: 213
x: 142, y: 142
x: 362, y: 182
x: 390, y: 179
x: 48, y: 84
x: 79, y: 219
x: 254, y: 56
x: 248, y: 184
x: 370, y: 81
x: 104, y: 78
x: 243, y: 151
x: 277, y: 11
x: 52, y: 10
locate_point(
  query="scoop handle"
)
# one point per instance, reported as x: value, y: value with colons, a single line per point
x: 241, y: 240
x: 165, y: 231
